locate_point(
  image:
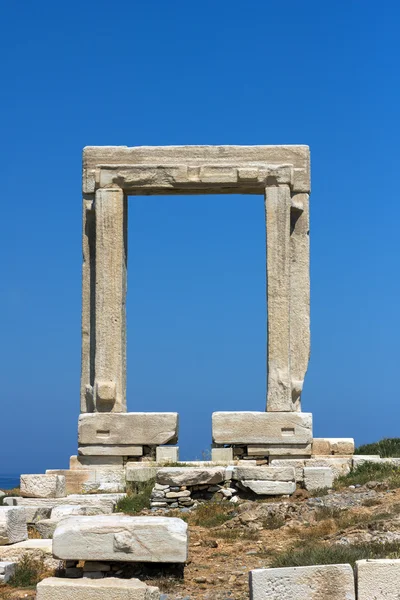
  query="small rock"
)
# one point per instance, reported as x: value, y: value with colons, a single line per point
x: 200, y: 580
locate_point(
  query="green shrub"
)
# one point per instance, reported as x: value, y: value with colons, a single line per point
x: 370, y: 471
x: 28, y: 572
x: 137, y: 498
x: 386, y: 448
x: 318, y: 554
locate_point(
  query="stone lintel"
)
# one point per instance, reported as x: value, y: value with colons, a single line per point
x: 279, y: 429
x: 161, y: 167
x: 129, y: 429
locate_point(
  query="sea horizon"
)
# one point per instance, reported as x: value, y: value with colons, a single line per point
x: 8, y: 481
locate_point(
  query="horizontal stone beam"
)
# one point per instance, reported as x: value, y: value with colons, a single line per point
x: 107, y: 429
x: 186, y: 178
x: 198, y: 159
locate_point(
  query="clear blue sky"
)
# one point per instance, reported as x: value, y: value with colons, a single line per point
x: 155, y: 73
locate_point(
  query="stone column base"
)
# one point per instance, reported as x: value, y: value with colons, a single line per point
x: 129, y: 435
x: 263, y: 434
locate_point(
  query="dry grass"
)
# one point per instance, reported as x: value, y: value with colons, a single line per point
x: 367, y: 472
x: 212, y: 514
x: 236, y: 534
x: 33, y: 533
x: 318, y: 554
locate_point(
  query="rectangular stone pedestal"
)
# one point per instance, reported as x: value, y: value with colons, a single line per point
x: 125, y: 434
x: 279, y: 433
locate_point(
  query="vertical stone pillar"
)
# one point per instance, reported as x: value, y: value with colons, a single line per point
x: 299, y: 294
x: 88, y: 297
x: 110, y: 301
x: 277, y: 214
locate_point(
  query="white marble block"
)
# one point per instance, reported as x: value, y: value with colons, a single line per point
x: 138, y: 473
x: 276, y: 428
x: 122, y: 538
x: 42, y: 486
x: 270, y: 488
x: 55, y: 588
x: 320, y: 582
x: 378, y: 579
x: 190, y: 475
x: 264, y: 473
x: 7, y: 570
x: 77, y: 463
x: 222, y: 454
x: 71, y: 510
x: 13, y: 527
x: 167, y: 454
x: 317, y: 478
x: 339, y: 465
x: 106, y: 429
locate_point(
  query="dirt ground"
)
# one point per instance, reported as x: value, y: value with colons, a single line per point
x: 255, y: 532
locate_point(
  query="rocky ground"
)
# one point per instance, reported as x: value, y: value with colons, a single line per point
x: 226, y: 540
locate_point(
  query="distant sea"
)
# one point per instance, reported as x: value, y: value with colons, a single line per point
x: 8, y: 482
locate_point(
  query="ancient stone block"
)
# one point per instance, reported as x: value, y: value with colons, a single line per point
x: 140, y: 473
x: 36, y: 513
x: 55, y: 588
x: 360, y: 459
x: 74, y: 480
x: 264, y: 473
x: 42, y: 486
x: 190, y: 476
x: 316, y: 478
x: 222, y: 454
x: 105, y: 429
x: 290, y: 450
x: 262, y: 428
x: 340, y: 466
x: 13, y: 527
x: 167, y: 454
x: 77, y: 463
x: 69, y: 510
x: 333, y: 446
x: 7, y: 570
x: 122, y: 538
x: 116, y: 450
x: 335, y: 582
x: 108, y: 500
x: 258, y: 450
x: 46, y: 528
x: 297, y: 464
x: 270, y: 488
x: 378, y: 579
